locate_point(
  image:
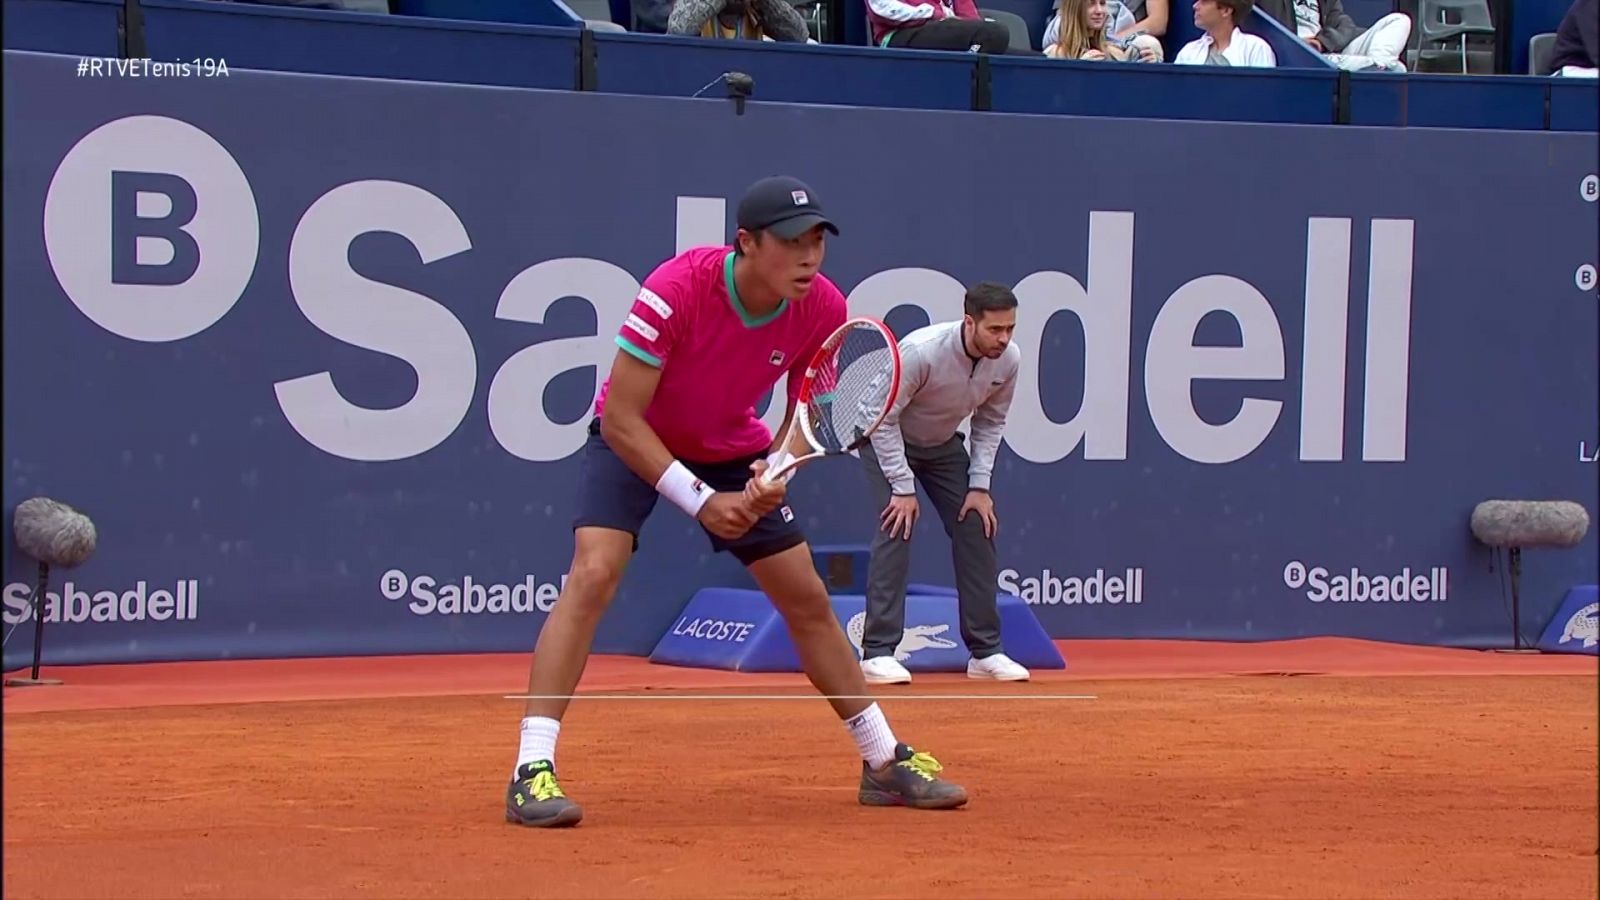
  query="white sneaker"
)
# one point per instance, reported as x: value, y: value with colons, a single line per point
x: 998, y: 667
x: 884, y: 670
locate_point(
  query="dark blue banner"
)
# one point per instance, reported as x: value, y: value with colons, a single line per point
x: 317, y: 354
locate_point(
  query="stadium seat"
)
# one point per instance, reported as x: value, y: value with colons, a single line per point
x: 1540, y: 49
x: 819, y: 19
x: 1013, y: 23
x: 596, y: 14
x: 1434, y: 25
x: 1035, y: 15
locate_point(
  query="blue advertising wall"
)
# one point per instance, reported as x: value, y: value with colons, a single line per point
x: 340, y: 406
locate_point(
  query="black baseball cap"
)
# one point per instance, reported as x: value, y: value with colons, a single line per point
x: 785, y: 206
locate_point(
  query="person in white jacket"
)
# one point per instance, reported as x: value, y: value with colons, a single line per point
x: 949, y: 371
x: 1223, y: 44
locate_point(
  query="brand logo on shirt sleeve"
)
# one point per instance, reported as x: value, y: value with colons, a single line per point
x: 644, y: 329
x: 653, y: 300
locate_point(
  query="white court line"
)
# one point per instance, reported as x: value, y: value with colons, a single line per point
x: 807, y: 697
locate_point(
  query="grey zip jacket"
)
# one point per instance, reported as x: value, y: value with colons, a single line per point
x: 940, y: 386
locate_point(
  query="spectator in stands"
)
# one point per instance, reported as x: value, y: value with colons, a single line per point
x: 1577, y: 49
x: 1223, y: 44
x: 750, y: 19
x: 1086, y: 34
x: 936, y: 25
x: 650, y: 16
x: 1148, y: 17
x: 1118, y: 20
x: 1324, y: 25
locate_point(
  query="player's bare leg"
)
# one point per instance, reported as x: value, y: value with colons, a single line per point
x: 599, y: 558
x: 825, y: 653
x: 892, y: 773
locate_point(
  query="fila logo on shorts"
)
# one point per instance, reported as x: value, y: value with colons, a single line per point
x: 788, y: 514
x: 776, y: 358
x: 800, y: 198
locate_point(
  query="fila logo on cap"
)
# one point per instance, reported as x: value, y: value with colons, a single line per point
x: 800, y: 198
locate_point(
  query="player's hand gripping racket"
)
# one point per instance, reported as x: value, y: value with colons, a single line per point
x: 849, y: 386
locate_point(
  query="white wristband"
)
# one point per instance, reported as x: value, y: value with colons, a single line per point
x: 682, y: 487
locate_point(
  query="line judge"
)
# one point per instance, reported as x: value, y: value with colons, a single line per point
x: 950, y: 371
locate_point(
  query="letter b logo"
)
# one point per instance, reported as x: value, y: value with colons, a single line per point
x: 173, y: 255
x: 151, y: 228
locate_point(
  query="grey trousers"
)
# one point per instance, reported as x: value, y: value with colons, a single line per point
x: 942, y: 472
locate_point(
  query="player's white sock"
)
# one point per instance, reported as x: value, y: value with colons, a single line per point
x: 538, y: 741
x: 873, y: 737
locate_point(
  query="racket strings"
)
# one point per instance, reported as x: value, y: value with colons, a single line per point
x: 850, y: 387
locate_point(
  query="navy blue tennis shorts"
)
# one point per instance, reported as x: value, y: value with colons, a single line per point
x: 611, y: 495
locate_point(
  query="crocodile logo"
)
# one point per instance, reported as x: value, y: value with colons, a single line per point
x: 915, y: 637
x: 1583, y: 625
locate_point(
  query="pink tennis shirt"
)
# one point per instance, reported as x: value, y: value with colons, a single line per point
x: 716, y: 359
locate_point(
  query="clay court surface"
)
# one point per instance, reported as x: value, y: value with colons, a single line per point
x: 1309, y: 769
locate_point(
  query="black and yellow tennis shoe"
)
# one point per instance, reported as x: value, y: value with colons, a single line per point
x: 535, y: 798
x: 910, y: 779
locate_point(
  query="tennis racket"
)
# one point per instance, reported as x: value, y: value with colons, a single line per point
x: 849, y: 386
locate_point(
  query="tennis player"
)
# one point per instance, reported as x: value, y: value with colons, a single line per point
x: 949, y: 371
x: 708, y: 335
